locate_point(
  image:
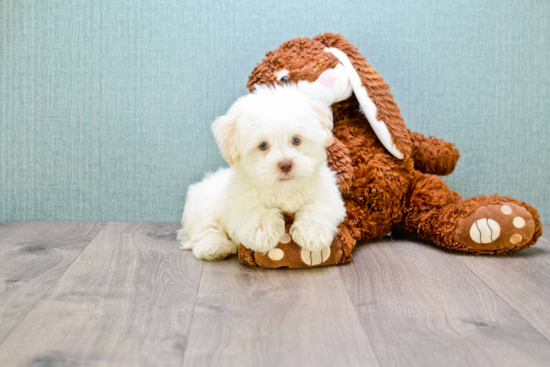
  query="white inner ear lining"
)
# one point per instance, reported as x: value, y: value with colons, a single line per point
x: 367, y: 105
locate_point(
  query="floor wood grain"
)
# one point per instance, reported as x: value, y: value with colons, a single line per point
x: 123, y: 294
x: 424, y: 307
x: 521, y: 279
x: 126, y: 301
x: 32, y: 257
x: 261, y: 317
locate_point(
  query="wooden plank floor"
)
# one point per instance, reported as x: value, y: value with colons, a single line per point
x: 123, y: 294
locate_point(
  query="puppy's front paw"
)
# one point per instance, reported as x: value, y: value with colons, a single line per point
x: 265, y: 234
x: 215, y: 250
x: 210, y: 246
x: 312, y: 235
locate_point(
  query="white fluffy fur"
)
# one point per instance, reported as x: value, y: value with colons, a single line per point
x: 243, y: 203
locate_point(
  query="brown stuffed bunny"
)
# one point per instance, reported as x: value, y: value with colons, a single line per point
x: 385, y: 172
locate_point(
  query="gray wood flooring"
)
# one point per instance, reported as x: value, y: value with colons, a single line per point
x: 123, y: 294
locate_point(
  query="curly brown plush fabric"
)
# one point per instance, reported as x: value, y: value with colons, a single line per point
x: 380, y: 190
x: 432, y: 155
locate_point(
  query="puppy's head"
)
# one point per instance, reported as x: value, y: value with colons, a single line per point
x: 275, y: 135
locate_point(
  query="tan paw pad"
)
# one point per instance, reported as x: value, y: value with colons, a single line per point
x: 515, y: 239
x: 518, y: 222
x: 506, y: 210
x: 276, y: 254
x: 484, y: 231
x: 286, y: 238
x: 315, y: 258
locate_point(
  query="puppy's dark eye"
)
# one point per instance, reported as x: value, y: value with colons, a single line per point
x: 284, y: 79
x: 296, y: 141
x: 263, y: 146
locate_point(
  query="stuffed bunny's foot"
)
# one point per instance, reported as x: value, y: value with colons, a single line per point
x: 496, y: 229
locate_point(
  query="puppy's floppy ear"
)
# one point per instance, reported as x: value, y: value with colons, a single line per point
x: 224, y: 129
x: 373, y: 94
x: 324, y: 114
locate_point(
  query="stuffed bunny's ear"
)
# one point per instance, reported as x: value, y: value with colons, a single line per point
x: 367, y: 105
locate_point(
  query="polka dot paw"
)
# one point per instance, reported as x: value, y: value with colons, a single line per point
x: 288, y: 254
x: 499, y: 228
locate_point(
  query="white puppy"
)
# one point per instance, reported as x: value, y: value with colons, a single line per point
x: 275, y: 141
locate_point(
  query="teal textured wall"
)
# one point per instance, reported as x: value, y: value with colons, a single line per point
x: 106, y: 106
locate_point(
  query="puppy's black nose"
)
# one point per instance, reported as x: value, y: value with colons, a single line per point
x: 285, y: 166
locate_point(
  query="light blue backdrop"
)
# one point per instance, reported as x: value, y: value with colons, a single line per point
x: 106, y: 106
